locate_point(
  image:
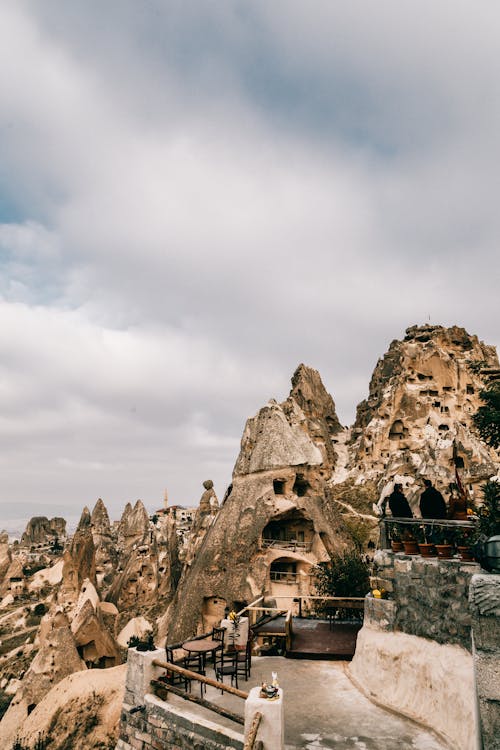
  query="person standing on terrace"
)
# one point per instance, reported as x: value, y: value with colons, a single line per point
x: 432, y: 504
x: 399, y: 504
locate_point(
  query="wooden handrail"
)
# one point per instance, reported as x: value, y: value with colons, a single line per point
x: 199, y: 701
x: 200, y: 678
x: 252, y: 732
x: 252, y: 604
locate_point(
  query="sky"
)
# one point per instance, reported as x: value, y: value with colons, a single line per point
x: 195, y: 197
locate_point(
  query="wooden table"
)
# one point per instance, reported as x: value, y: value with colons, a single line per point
x: 202, y: 646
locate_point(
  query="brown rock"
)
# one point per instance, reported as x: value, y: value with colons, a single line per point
x: 417, y: 419
x: 41, y: 530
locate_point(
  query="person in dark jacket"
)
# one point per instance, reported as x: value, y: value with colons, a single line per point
x: 399, y: 504
x: 432, y: 504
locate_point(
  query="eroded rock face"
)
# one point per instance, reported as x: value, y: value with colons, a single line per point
x: 133, y: 528
x: 5, y: 555
x: 92, y: 638
x: 41, y: 530
x: 277, y: 522
x: 417, y: 420
x: 56, y: 659
x: 79, y: 560
x: 204, y: 518
x: 106, y: 554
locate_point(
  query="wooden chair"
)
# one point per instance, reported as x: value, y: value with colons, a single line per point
x: 226, y: 665
x: 245, y: 661
x: 174, y: 678
x: 218, y: 635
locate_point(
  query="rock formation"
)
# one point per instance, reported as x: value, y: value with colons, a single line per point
x: 277, y: 521
x: 41, y: 530
x: 79, y: 560
x: 148, y: 562
x: 5, y: 555
x: 106, y: 555
x: 203, y: 519
x: 94, y: 641
x: 133, y: 528
x: 56, y: 659
x: 417, y: 419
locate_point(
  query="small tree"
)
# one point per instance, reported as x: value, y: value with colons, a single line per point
x: 487, y: 417
x: 489, y: 512
x: 346, y: 574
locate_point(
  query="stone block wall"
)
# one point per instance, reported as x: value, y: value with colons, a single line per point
x: 161, y: 726
x: 148, y: 723
x: 428, y: 597
x: 485, y: 609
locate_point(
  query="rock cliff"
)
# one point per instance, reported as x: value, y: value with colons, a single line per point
x: 276, y: 521
x: 41, y: 530
x: 417, y: 419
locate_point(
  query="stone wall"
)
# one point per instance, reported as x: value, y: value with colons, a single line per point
x: 148, y: 723
x: 485, y: 609
x: 428, y: 597
x: 161, y: 726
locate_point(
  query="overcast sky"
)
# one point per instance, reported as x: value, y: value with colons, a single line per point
x: 195, y: 197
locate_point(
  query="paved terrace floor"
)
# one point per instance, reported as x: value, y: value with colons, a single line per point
x: 323, y: 709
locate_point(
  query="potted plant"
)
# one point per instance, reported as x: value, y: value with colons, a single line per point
x: 235, y: 631
x: 142, y: 645
x: 426, y: 547
x: 464, y: 544
x: 443, y: 541
x: 410, y: 544
x: 396, y: 542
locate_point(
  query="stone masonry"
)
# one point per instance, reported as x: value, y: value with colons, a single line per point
x: 158, y: 725
x: 428, y: 597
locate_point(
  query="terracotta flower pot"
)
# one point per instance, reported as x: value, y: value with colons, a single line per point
x: 466, y: 553
x: 397, y: 546
x: 444, y: 551
x: 427, y: 550
x: 411, y: 547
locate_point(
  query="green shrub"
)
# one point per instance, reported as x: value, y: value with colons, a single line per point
x: 346, y: 574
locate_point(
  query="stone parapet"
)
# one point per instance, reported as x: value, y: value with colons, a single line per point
x: 428, y: 597
x: 484, y: 598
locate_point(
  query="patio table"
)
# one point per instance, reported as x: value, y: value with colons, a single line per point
x: 202, y: 646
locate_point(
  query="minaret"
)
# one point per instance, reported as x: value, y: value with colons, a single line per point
x: 165, y: 500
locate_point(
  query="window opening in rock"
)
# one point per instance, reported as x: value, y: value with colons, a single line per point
x: 283, y: 570
x: 31, y: 708
x: 443, y: 427
x: 300, y: 486
x: 289, y: 531
x: 470, y: 389
x: 437, y: 404
x: 397, y: 429
x: 279, y: 486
